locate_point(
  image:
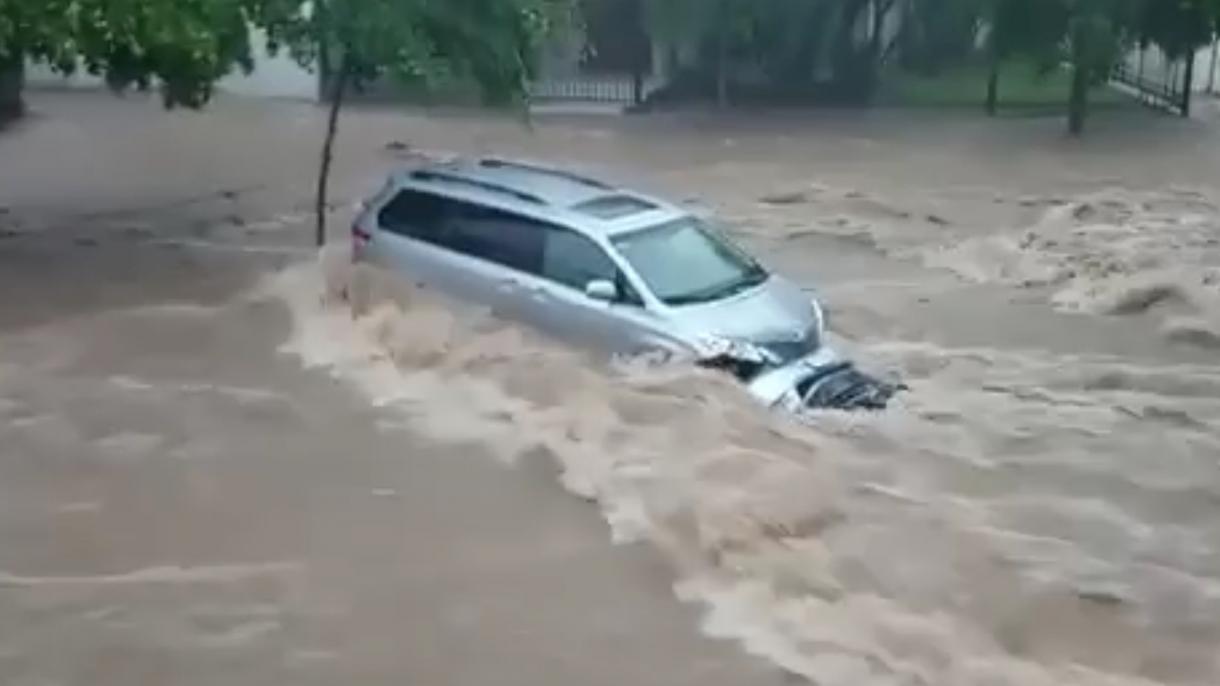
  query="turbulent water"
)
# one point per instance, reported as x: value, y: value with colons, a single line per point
x: 1113, y: 252
x: 1020, y: 519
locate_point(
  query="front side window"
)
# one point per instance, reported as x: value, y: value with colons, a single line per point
x: 685, y: 262
x: 472, y: 230
x: 574, y: 261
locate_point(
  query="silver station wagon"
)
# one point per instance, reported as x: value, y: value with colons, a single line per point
x: 610, y: 270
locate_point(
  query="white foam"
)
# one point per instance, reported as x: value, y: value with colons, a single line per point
x: 1114, y: 252
x: 169, y: 575
x: 882, y: 549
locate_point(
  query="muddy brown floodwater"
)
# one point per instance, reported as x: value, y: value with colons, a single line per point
x: 223, y: 457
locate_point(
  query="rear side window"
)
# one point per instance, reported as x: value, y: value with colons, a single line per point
x: 521, y: 243
x: 497, y: 236
x: 416, y: 215
x: 465, y: 228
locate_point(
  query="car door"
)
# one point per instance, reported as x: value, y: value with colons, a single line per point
x: 570, y: 261
x: 506, y: 254
x: 431, y: 240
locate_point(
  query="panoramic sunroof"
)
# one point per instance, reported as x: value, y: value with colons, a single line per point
x: 614, y: 206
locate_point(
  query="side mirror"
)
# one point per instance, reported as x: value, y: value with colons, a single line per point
x: 602, y: 290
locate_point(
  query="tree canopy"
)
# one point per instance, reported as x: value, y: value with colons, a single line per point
x: 184, y: 46
x: 839, y: 48
x: 491, y: 43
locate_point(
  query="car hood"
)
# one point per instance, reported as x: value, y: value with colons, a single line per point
x: 777, y: 316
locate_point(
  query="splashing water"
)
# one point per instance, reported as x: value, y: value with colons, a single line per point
x: 1114, y: 252
x: 1017, y: 521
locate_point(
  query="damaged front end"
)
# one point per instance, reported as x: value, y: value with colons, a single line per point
x: 819, y: 381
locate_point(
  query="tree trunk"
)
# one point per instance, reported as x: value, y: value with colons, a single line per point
x: 1078, y: 105
x: 337, y: 92
x: 993, y: 85
x: 875, y: 50
x: 1211, y: 74
x: 722, y: 54
x: 12, y: 81
x: 1078, y: 98
x: 1188, y: 80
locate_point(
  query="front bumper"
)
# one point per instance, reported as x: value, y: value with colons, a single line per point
x: 821, y: 381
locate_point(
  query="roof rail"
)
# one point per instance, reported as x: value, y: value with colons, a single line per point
x: 427, y: 175
x: 497, y: 163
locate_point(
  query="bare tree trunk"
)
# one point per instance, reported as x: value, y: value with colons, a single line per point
x: 1078, y: 99
x: 722, y: 54
x: 337, y: 92
x: 995, y: 51
x: 993, y: 84
x: 1188, y: 80
x: 1078, y: 104
x: 12, y: 81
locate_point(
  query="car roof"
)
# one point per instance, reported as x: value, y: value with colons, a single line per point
x: 546, y: 193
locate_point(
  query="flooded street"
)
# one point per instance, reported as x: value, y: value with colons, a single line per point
x: 226, y: 460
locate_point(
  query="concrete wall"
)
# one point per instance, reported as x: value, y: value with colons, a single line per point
x: 1207, y: 71
x: 1155, y: 67
x: 273, y: 77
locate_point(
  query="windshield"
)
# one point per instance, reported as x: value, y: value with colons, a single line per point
x: 685, y: 262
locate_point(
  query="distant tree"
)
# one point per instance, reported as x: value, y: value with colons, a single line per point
x: 840, y: 44
x: 1098, y: 33
x: 1033, y: 29
x: 858, y: 50
x: 1177, y: 27
x: 712, y: 27
x: 936, y: 33
x: 493, y: 43
x: 1090, y: 36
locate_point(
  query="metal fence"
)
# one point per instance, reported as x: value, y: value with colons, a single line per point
x: 586, y: 89
x: 1157, y: 80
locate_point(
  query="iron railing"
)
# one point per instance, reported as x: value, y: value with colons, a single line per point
x: 1166, y: 85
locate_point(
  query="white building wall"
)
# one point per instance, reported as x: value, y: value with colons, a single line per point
x: 1151, y: 62
x: 1207, y: 70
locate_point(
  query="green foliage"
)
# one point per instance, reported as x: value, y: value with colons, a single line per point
x: 1178, y: 27
x: 676, y: 21
x: 1028, y: 90
x: 1029, y: 28
x: 183, y: 45
x: 938, y: 33
x: 791, y: 43
x: 491, y: 42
